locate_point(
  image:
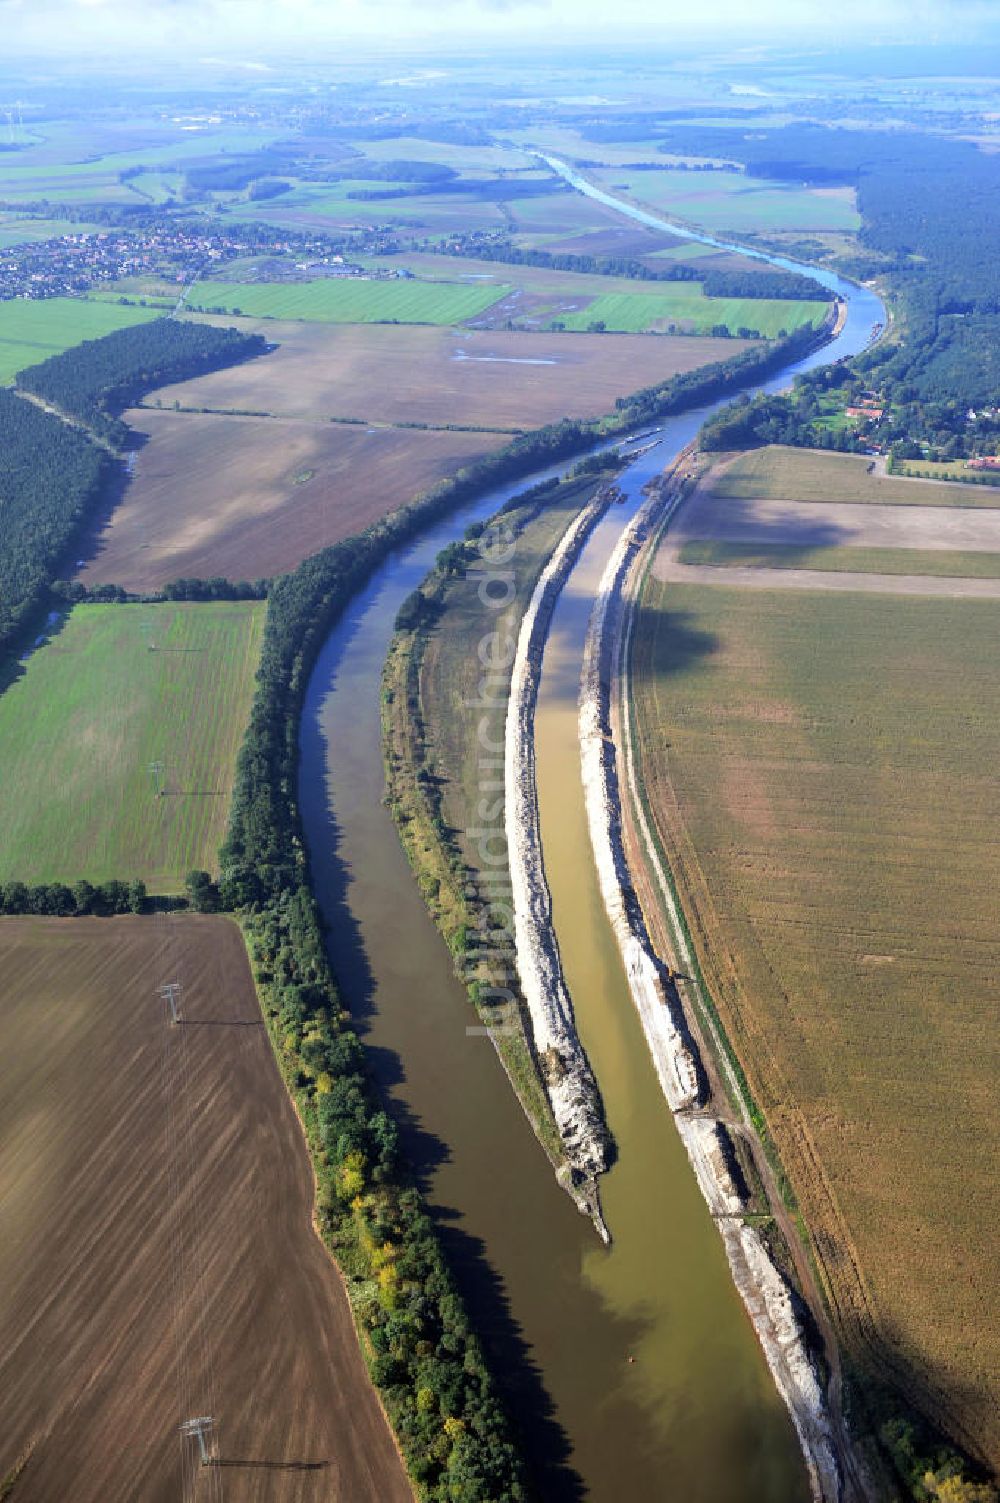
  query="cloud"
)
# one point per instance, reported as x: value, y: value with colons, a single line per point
x: 88, y: 25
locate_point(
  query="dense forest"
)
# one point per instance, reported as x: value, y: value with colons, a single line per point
x: 50, y: 478
x: 930, y: 210
x: 92, y: 380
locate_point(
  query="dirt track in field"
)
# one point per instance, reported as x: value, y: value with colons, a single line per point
x: 158, y: 1260
x: 251, y: 497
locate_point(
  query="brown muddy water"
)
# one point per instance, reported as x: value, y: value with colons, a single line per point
x: 694, y: 1417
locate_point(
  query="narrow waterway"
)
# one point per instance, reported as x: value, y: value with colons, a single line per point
x: 718, y: 1431
x: 694, y: 1415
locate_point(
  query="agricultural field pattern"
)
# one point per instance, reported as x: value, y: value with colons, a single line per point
x: 499, y: 718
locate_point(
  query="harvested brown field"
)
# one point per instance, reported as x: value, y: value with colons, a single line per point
x: 158, y: 1261
x: 390, y: 373
x: 821, y: 769
x: 784, y: 474
x: 247, y: 498
x: 836, y: 524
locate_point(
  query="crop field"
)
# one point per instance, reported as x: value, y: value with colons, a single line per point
x: 17, y: 230
x: 66, y: 168
x: 567, y: 142
x: 735, y: 201
x: 32, y: 330
x: 474, y: 161
x: 836, y: 848
x: 685, y: 305
x: 313, y: 206
x: 777, y: 473
x: 949, y: 563
x: 350, y: 301
x: 500, y: 379
x: 158, y: 1259
x: 535, y: 297
x: 118, y: 688
x: 249, y: 498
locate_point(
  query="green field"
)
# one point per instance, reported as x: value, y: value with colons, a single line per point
x: 683, y: 304
x: 940, y: 562
x: 734, y: 201
x: 946, y: 469
x: 120, y: 687
x: 776, y: 473
x: 821, y: 768
x: 33, y: 329
x: 17, y: 230
x: 350, y: 301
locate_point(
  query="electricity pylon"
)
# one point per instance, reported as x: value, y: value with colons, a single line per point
x: 199, y: 1428
x: 170, y: 991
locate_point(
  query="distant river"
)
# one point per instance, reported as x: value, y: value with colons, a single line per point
x: 693, y: 1418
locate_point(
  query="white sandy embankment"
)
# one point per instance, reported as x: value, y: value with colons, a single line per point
x: 572, y: 1089
x: 762, y: 1287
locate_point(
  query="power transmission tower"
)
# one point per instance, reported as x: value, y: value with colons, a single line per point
x: 170, y: 991
x: 156, y: 773
x: 199, y: 1428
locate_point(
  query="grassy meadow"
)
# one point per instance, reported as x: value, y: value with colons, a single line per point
x: 785, y: 474
x: 835, y: 844
x: 95, y: 706
x: 685, y: 304
x: 17, y: 229
x: 350, y: 301
x: 32, y: 330
x: 947, y: 563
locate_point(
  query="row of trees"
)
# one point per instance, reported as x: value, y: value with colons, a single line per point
x: 94, y: 380
x: 215, y: 588
x: 57, y: 900
x: 426, y: 1361
x: 741, y: 284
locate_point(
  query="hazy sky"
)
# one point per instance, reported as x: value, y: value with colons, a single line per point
x: 252, y: 26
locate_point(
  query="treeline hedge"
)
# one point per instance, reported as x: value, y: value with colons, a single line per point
x: 741, y: 284
x: 215, y: 588
x: 56, y: 900
x: 96, y: 378
x: 50, y: 478
x: 710, y: 382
